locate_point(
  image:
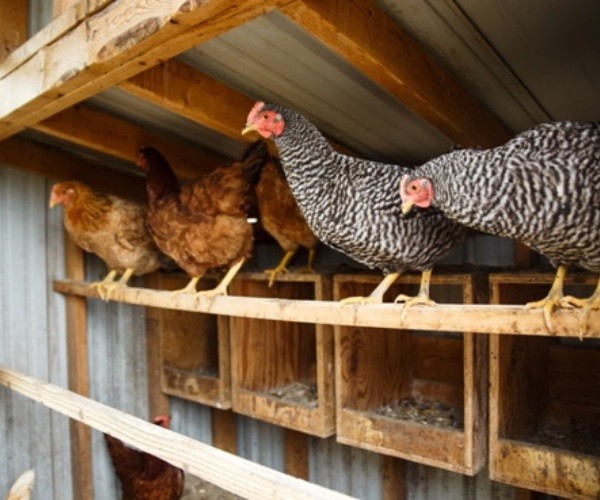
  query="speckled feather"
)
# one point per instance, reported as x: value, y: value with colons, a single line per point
x: 542, y: 188
x: 353, y: 205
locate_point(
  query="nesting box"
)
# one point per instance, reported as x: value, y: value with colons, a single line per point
x: 544, y: 399
x: 195, y: 360
x: 420, y: 396
x: 282, y: 372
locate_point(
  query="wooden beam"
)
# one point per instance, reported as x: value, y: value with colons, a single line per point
x: 13, y: 26
x: 61, y: 6
x: 58, y: 165
x: 224, y: 430
x: 113, y: 45
x: 107, y: 134
x: 501, y: 319
x: 78, y: 373
x: 394, y: 483
x: 228, y: 471
x: 370, y: 40
x: 296, y: 453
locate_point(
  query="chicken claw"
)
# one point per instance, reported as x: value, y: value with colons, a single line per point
x: 100, y: 286
x: 421, y: 298
x: 587, y: 305
x: 376, y: 296
x: 110, y: 288
x: 189, y: 288
x: 221, y: 288
x: 279, y: 268
x: 553, y: 299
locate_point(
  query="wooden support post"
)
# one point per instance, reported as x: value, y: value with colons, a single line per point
x: 13, y: 25
x: 393, y: 472
x: 77, y: 349
x: 296, y: 454
x: 224, y: 430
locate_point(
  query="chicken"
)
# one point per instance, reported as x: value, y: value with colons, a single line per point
x: 542, y: 188
x: 203, y: 225
x: 281, y: 217
x: 144, y: 476
x: 22, y: 487
x: 349, y: 205
x: 112, y: 228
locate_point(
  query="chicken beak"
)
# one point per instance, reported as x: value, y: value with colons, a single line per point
x: 53, y: 200
x: 407, y: 206
x: 248, y: 129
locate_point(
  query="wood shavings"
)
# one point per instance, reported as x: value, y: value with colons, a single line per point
x: 422, y: 411
x: 579, y: 438
x: 296, y: 393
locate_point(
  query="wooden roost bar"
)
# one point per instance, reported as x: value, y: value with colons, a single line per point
x: 282, y: 372
x: 410, y: 394
x: 545, y: 400
x: 194, y: 349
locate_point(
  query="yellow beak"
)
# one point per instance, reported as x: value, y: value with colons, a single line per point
x: 407, y: 206
x: 248, y: 129
x: 53, y: 201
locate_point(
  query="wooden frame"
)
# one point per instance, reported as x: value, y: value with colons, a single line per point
x: 540, y: 411
x: 379, y: 371
x: 272, y: 359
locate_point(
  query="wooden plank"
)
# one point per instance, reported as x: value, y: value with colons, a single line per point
x: 501, y: 319
x: 107, y: 134
x: 57, y: 165
x: 78, y: 373
x: 369, y: 39
x: 296, y: 454
x: 13, y: 26
x: 61, y: 6
x: 224, y: 430
x: 394, y: 482
x: 112, y: 45
x: 228, y: 471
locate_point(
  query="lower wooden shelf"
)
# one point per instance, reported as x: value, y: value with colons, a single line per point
x: 194, y: 349
x: 282, y: 372
x: 544, y: 400
x: 409, y: 394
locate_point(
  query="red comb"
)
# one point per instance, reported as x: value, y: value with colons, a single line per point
x: 254, y: 111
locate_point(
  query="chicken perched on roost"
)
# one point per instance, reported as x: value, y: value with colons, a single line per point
x: 142, y: 475
x: 203, y: 225
x: 112, y: 228
x: 282, y: 219
x: 542, y: 188
x: 352, y: 205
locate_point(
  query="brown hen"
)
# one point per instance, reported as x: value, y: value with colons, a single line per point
x: 144, y: 476
x: 281, y: 218
x: 112, y: 228
x: 203, y: 225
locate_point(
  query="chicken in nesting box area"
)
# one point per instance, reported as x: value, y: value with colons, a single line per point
x: 349, y: 205
x: 203, y: 225
x: 281, y: 217
x: 112, y: 228
x: 542, y: 188
x: 144, y: 476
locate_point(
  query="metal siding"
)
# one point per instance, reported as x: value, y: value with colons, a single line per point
x: 260, y: 442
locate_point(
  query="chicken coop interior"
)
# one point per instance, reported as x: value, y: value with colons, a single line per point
x: 286, y: 386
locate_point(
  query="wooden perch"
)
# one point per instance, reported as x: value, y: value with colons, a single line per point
x: 501, y: 319
x: 228, y: 471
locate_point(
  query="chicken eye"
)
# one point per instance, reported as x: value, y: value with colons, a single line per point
x: 413, y: 187
x: 266, y: 116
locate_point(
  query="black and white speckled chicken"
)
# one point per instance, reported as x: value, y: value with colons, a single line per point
x: 542, y: 188
x: 353, y: 205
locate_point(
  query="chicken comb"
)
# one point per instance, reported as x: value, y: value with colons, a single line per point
x: 254, y: 111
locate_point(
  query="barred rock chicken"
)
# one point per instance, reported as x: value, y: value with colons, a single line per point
x: 542, y: 188
x: 203, y: 225
x: 144, y: 476
x: 350, y: 205
x: 281, y: 217
x: 112, y: 228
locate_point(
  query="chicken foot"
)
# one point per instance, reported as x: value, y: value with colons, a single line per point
x: 421, y: 298
x: 189, y: 288
x: 587, y: 305
x: 554, y: 298
x: 376, y: 296
x: 100, y: 285
x: 309, y: 268
x: 110, y: 288
x: 279, y: 268
x: 221, y: 288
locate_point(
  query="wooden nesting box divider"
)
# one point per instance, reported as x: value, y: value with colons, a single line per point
x: 282, y: 372
x: 414, y: 395
x: 545, y: 399
x: 194, y: 349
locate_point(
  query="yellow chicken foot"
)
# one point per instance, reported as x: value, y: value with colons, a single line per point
x: 421, y: 298
x: 309, y: 268
x: 111, y: 287
x: 221, y: 288
x: 554, y: 298
x: 376, y: 296
x: 100, y: 285
x: 587, y: 305
x: 279, y: 268
x: 189, y: 288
